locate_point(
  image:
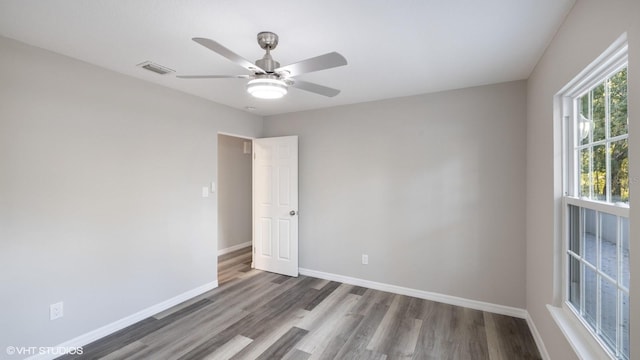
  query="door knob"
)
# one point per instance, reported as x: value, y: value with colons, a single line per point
x: 292, y: 212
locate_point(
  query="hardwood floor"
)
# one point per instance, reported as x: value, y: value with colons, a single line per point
x: 234, y: 265
x: 260, y: 315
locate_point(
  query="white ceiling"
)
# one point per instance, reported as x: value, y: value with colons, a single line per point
x: 394, y: 47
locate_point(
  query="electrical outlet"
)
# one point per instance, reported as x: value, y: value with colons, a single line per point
x: 56, y: 310
x: 365, y: 259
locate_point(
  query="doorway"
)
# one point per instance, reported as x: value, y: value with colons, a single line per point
x: 234, y: 207
x: 257, y: 205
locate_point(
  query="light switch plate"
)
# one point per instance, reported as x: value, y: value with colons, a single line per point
x: 205, y: 191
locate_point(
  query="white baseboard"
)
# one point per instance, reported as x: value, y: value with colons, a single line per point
x: 127, y: 321
x: 537, y: 338
x: 234, y: 248
x: 447, y: 299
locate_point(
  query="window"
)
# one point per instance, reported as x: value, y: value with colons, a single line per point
x: 596, y: 202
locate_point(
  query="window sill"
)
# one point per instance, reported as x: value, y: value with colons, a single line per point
x: 581, y: 340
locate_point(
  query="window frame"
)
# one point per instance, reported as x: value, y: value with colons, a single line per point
x: 599, y: 208
x: 566, y: 315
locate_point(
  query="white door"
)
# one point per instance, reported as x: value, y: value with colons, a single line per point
x: 275, y: 204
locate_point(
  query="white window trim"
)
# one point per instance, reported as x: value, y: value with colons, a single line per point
x: 585, y: 344
x: 618, y: 209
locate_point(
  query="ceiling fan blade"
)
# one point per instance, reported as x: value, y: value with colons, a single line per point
x: 315, y: 88
x: 322, y: 62
x: 216, y: 47
x: 214, y: 76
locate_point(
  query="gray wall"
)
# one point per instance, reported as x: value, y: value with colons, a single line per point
x: 101, y: 178
x: 589, y: 29
x: 234, y: 192
x: 431, y: 187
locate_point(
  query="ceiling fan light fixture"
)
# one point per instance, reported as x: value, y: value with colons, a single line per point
x: 267, y: 88
x: 269, y: 80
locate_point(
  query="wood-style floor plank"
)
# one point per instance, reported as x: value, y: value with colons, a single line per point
x: 173, y: 341
x: 283, y: 345
x: 322, y: 294
x: 274, y: 331
x: 340, y: 337
x: 355, y: 347
x: 320, y: 334
x: 296, y: 354
x: 230, y: 349
x: 387, y: 332
x: 261, y: 315
x: 320, y: 283
x: 512, y: 335
x: 126, y: 352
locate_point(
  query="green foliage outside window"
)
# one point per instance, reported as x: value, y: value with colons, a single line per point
x: 604, y: 149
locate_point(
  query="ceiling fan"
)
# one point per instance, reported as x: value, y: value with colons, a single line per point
x: 269, y: 80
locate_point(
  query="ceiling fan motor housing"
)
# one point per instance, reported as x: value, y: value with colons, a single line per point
x: 267, y: 63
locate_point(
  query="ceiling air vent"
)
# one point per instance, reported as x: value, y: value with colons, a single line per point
x: 158, y: 69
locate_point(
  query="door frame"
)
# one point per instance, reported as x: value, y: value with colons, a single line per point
x: 250, y: 138
x: 253, y: 246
